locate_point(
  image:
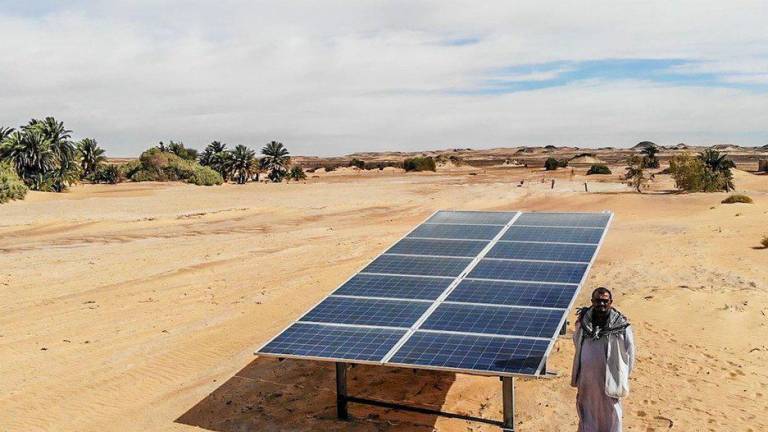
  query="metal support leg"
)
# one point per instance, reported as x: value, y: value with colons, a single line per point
x: 508, y: 398
x: 341, y: 391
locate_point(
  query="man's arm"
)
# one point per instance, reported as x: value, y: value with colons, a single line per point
x: 629, y: 346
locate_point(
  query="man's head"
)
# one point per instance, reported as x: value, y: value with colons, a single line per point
x: 602, y: 300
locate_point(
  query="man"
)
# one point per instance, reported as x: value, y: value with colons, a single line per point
x: 605, y: 355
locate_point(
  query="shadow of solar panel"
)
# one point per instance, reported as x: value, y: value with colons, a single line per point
x: 472, y: 353
x: 416, y: 265
x: 462, y: 232
x: 596, y: 220
x: 513, y: 293
x: 426, y: 288
x: 529, y: 271
x: 334, y: 342
x: 543, y: 251
x: 459, y: 248
x: 549, y: 235
x: 470, y: 217
x: 391, y: 313
x: 499, y: 320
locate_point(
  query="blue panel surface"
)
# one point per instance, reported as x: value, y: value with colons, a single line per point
x: 513, y: 293
x: 529, y: 271
x: 596, y: 220
x: 470, y: 217
x: 478, y: 232
x: 543, y: 251
x: 474, y: 353
x: 334, y: 342
x: 500, y: 320
x: 343, y: 310
x: 549, y: 235
x: 415, y: 265
x: 459, y: 248
x: 408, y: 287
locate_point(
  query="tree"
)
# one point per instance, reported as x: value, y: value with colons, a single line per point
x: 636, y: 173
x: 650, y: 159
x: 243, y: 162
x: 179, y: 150
x: 30, y: 154
x: 275, y: 161
x: 5, y: 132
x: 91, y: 156
x: 217, y: 157
x: 720, y: 167
x: 297, y: 173
x: 66, y: 171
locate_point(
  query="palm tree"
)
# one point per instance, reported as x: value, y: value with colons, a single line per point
x: 5, y: 133
x: 66, y: 169
x: 91, y: 156
x: 650, y: 159
x: 211, y: 149
x: 30, y: 153
x: 217, y: 158
x: 243, y: 161
x: 275, y: 160
x: 719, y: 165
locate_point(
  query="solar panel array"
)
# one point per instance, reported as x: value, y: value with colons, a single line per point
x: 475, y: 292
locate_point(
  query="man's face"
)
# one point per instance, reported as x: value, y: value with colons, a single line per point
x: 602, y: 302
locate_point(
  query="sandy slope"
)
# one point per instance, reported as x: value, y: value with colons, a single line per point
x: 138, y: 306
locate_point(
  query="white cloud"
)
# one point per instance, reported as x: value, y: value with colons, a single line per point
x: 334, y: 77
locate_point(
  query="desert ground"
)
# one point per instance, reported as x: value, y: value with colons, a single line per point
x: 138, y: 306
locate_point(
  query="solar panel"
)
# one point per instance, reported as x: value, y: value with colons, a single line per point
x: 333, y: 342
x: 477, y: 292
x: 374, y: 312
x: 543, y: 251
x: 464, y: 232
x: 513, y: 293
x: 535, y: 271
x: 495, y: 320
x: 471, y: 353
x: 458, y: 248
x: 388, y: 286
x: 553, y: 235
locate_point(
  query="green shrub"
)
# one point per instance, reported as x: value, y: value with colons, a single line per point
x: 11, y: 186
x: 128, y: 169
x: 329, y: 168
x: 205, y: 176
x: 552, y: 164
x: 598, y: 169
x: 737, y: 198
x: 692, y: 174
x: 357, y: 163
x: 296, y: 173
x: 108, y: 174
x: 419, y: 164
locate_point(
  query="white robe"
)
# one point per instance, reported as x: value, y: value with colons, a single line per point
x: 597, y: 411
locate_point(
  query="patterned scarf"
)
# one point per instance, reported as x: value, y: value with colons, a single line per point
x: 616, y: 323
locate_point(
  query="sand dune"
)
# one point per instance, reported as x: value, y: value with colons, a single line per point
x: 138, y: 306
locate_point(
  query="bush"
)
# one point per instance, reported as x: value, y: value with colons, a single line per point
x: 108, y: 174
x: 11, y: 186
x: 692, y: 174
x: 329, y: 168
x: 737, y: 198
x: 357, y: 163
x: 552, y: 164
x: 419, y: 164
x: 128, y: 169
x: 205, y: 176
x: 598, y: 169
x: 296, y: 173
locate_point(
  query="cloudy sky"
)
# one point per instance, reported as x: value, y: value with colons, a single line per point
x: 333, y: 77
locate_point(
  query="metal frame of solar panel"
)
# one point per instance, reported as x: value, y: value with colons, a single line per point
x: 474, y: 292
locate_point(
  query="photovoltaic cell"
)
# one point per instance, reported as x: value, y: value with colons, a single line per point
x: 416, y: 265
x: 557, y: 235
x: 460, y: 248
x: 470, y: 217
x: 529, y: 271
x: 500, y: 320
x: 343, y: 310
x: 513, y: 293
x: 477, y: 232
x: 426, y: 288
x: 543, y: 251
x: 334, y: 342
x: 595, y: 220
x: 477, y: 353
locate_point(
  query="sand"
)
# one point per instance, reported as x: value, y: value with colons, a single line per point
x: 138, y: 306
